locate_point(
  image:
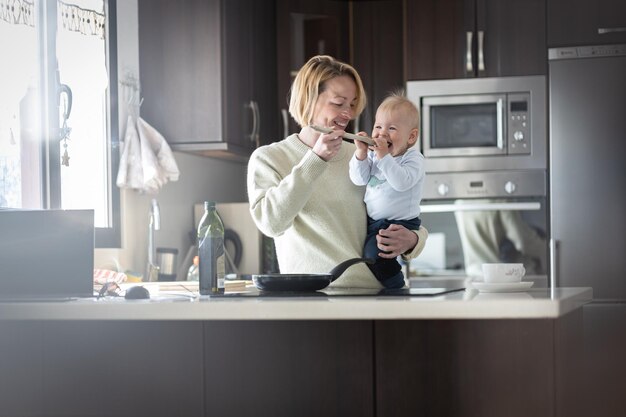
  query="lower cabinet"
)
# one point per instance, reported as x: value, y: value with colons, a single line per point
x: 465, y: 368
x: 294, y: 368
x: 101, y: 368
x: 288, y: 368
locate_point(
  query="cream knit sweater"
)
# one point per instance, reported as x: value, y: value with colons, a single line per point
x: 312, y: 210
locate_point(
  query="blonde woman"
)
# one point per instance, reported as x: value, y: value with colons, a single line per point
x: 299, y: 190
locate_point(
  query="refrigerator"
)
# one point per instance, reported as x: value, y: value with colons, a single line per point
x: 587, y: 175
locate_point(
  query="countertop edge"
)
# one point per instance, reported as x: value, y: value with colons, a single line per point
x: 453, y: 307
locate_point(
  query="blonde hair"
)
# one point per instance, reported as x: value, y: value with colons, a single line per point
x: 309, y: 84
x: 397, y: 100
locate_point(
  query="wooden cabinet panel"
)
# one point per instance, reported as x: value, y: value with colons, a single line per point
x: 289, y: 368
x: 304, y: 29
x: 475, y: 38
x: 181, y: 67
x: 377, y: 52
x: 578, y: 22
x: 604, y: 377
x: 21, y: 364
x: 514, y: 37
x: 126, y: 368
x: 462, y: 368
x: 208, y: 72
x: 437, y: 38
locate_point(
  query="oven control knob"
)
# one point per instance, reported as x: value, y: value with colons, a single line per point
x: 510, y: 187
x: 518, y: 136
x: 443, y: 189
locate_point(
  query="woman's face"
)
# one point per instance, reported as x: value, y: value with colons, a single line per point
x: 335, y: 106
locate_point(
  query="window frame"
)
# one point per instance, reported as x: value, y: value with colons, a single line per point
x: 105, y: 237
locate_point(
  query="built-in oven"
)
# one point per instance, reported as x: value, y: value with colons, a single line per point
x: 483, y: 217
x: 482, y: 124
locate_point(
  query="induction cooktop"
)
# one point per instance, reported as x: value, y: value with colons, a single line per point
x: 347, y: 292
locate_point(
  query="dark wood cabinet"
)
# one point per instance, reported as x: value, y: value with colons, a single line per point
x: 288, y: 368
x: 504, y: 367
x: 305, y: 29
x: 377, y: 52
x: 208, y: 73
x: 101, y: 368
x: 462, y: 368
x: 475, y: 38
x: 577, y: 22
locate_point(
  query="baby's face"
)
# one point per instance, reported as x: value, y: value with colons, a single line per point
x: 393, y: 125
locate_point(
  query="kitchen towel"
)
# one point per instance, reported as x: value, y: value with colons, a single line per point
x: 147, y: 162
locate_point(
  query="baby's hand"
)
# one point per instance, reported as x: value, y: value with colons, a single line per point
x: 381, y: 148
x: 361, y: 148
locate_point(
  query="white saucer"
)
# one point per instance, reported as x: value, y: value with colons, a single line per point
x: 503, y: 287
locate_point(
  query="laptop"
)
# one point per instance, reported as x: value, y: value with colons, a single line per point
x: 46, y: 255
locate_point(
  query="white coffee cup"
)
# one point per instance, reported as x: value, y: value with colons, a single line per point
x: 503, y: 273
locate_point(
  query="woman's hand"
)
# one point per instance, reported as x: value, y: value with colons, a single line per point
x: 328, y: 145
x: 395, y: 240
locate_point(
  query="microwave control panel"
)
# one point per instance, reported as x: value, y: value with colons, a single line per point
x: 519, y: 124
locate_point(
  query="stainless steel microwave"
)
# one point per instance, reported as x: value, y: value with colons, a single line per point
x: 482, y: 123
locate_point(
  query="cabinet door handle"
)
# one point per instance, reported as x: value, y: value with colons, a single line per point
x: 252, y: 107
x: 257, y: 124
x: 285, y: 116
x: 603, y: 31
x: 469, y: 67
x: 481, y: 55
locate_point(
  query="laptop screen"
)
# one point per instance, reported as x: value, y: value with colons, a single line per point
x: 46, y: 253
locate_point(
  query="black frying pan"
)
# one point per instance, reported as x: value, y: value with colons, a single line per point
x: 303, y: 282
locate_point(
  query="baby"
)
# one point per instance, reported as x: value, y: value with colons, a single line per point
x: 394, y: 174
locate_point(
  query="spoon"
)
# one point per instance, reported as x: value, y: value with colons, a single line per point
x: 347, y: 135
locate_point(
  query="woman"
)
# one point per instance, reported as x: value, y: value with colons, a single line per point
x: 299, y: 189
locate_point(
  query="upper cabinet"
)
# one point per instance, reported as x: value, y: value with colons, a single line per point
x: 377, y: 52
x: 475, y: 38
x: 307, y: 28
x: 577, y: 22
x: 208, y: 74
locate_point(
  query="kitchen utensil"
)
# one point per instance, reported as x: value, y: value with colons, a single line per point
x: 303, y: 282
x: 346, y: 135
x: 166, y: 261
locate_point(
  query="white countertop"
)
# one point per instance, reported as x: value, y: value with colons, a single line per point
x: 539, y: 303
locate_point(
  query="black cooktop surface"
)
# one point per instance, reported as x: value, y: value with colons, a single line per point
x: 346, y: 292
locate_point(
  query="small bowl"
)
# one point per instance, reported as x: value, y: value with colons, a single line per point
x: 503, y: 273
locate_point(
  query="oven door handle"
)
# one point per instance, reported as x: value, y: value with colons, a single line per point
x: 448, y: 208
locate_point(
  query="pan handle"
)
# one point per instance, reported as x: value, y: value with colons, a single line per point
x: 341, y: 268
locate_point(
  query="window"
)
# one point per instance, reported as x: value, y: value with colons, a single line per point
x: 58, y: 109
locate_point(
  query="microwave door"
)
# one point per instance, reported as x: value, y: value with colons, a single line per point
x: 469, y: 125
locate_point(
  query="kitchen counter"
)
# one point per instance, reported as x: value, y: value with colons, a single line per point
x: 539, y: 303
x: 327, y: 355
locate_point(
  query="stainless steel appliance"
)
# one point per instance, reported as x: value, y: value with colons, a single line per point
x: 484, y: 217
x: 485, y: 192
x: 482, y: 124
x: 587, y: 103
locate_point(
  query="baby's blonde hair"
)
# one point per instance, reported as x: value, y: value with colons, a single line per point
x: 398, y: 100
x: 309, y: 84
